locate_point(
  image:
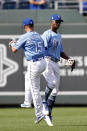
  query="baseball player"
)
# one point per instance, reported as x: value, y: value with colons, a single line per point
x: 54, y: 50
x: 33, y: 46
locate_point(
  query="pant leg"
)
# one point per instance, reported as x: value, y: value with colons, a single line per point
x: 52, y: 97
x: 35, y: 69
x: 57, y: 80
x: 28, y: 95
x: 49, y: 74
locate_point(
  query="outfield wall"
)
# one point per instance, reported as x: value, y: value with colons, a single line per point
x: 73, y: 85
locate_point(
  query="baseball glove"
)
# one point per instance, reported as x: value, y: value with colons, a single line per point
x: 71, y: 62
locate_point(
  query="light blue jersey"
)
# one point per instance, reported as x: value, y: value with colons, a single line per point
x: 33, y: 45
x: 53, y: 43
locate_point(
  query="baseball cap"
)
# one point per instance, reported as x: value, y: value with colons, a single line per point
x: 28, y: 21
x: 56, y: 17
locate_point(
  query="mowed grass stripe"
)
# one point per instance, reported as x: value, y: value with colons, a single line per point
x: 64, y: 119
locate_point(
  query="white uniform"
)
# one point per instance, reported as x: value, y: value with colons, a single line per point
x: 53, y: 42
x: 34, y: 70
x: 28, y: 95
x: 52, y: 76
x: 33, y: 47
x: 54, y: 46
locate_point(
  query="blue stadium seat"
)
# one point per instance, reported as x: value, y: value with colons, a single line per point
x: 23, y: 4
x: 9, y: 4
x: 84, y: 6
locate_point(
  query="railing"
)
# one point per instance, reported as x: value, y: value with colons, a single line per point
x: 80, y: 5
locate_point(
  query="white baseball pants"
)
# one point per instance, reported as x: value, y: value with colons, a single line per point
x: 52, y: 76
x: 28, y: 95
x: 34, y: 72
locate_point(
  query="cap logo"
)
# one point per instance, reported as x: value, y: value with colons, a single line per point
x: 52, y: 18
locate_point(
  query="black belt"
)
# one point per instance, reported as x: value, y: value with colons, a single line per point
x: 37, y: 59
x: 54, y: 59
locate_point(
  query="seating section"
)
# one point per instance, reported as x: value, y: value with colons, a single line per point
x: 51, y: 4
x: 9, y: 4
x: 0, y: 4
x: 68, y: 4
x: 23, y: 4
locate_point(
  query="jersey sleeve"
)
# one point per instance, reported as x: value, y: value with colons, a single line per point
x: 45, y: 36
x: 19, y: 44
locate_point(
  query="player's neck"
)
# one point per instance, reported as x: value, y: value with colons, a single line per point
x: 54, y: 30
x: 29, y: 29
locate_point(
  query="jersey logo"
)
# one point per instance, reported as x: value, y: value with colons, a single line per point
x: 54, y: 45
x: 10, y: 66
x: 55, y: 42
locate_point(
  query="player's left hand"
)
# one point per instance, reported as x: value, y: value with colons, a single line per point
x: 11, y: 43
x: 71, y: 62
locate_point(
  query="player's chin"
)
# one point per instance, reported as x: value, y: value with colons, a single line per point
x: 56, y: 27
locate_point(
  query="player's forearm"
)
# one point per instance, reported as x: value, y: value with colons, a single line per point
x: 64, y: 56
x: 42, y: 2
x: 34, y: 2
x: 37, y: 2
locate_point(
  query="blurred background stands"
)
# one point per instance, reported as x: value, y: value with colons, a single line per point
x: 80, y: 5
x: 23, y: 4
x: 9, y: 4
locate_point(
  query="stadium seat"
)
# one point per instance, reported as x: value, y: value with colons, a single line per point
x: 0, y: 4
x: 23, y: 4
x: 9, y: 4
x: 68, y: 5
x: 50, y: 4
x: 85, y: 6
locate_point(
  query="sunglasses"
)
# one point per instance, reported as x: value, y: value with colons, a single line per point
x: 58, y: 22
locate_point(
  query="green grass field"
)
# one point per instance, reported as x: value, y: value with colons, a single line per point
x: 64, y: 119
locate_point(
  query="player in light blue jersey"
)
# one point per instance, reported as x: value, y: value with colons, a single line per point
x: 33, y: 46
x: 54, y: 50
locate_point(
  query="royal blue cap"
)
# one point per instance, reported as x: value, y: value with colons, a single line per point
x: 56, y: 17
x: 28, y: 21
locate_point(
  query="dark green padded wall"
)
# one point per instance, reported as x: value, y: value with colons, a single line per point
x: 11, y: 21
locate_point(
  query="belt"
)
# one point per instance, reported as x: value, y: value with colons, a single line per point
x: 54, y: 59
x: 37, y: 59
